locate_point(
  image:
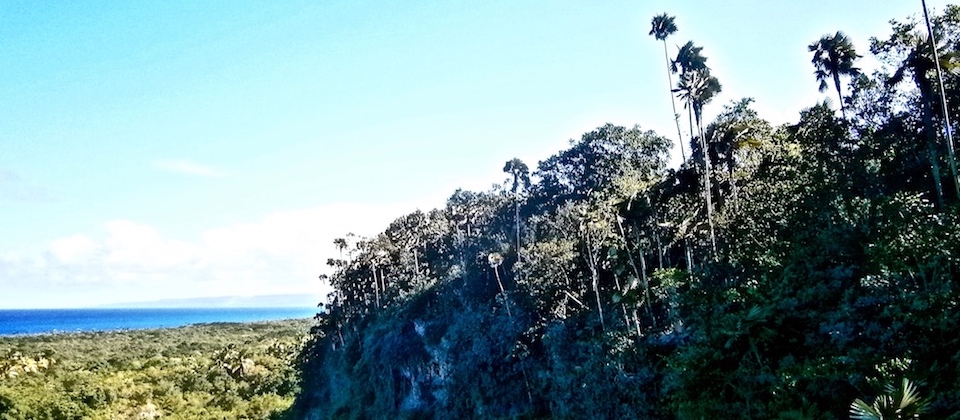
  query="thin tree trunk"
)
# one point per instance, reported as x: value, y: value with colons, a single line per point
x: 836, y: 83
x: 656, y: 231
x: 516, y: 208
x: 673, y: 102
x: 383, y: 284
x: 595, y: 277
x: 943, y: 102
x: 707, y: 188
x: 623, y: 308
x: 931, y: 147
x: 646, y: 291
x: 376, y: 287
x: 690, y: 124
x: 503, y: 292
x: 641, y: 274
x: 592, y: 261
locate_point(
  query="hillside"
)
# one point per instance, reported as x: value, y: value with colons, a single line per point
x: 794, y: 271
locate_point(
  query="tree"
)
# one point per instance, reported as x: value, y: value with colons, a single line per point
x: 833, y: 56
x: 661, y: 27
x: 943, y: 100
x: 918, y: 63
x: 521, y: 174
x: 688, y: 59
x: 495, y: 260
x: 697, y: 88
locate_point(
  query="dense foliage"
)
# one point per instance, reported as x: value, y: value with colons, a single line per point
x: 209, y: 371
x: 802, y: 271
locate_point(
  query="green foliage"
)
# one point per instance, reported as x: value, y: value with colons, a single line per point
x: 901, y: 402
x: 209, y: 371
x: 780, y: 272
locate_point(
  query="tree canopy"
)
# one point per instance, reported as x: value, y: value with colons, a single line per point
x: 812, y: 274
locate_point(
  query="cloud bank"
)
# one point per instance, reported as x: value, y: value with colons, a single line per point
x: 129, y: 261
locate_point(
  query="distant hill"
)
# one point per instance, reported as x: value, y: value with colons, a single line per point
x: 265, y: 301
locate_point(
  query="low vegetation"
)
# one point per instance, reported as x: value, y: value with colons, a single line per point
x: 207, y: 371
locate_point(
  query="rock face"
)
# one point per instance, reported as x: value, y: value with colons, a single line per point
x: 440, y: 357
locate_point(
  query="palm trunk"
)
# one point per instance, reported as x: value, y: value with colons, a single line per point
x: 731, y: 165
x: 376, y: 288
x: 383, y: 284
x: 931, y: 146
x: 646, y: 291
x: 707, y: 188
x: 503, y: 292
x: 640, y: 274
x: 516, y: 208
x: 943, y: 102
x: 836, y: 83
x: 595, y: 277
x: 690, y: 124
x: 673, y: 102
x: 593, y: 262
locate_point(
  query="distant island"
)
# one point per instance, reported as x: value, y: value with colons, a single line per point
x: 262, y: 301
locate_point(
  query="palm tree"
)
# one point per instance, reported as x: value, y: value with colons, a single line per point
x: 697, y: 88
x: 521, y: 174
x: 901, y: 402
x: 661, y: 27
x: 919, y: 63
x: 495, y: 259
x: 341, y: 245
x: 943, y: 100
x: 834, y: 56
x: 689, y: 59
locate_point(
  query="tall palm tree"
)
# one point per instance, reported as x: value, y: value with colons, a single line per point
x: 833, y: 56
x: 688, y: 59
x: 943, y: 101
x: 521, y: 176
x: 661, y: 27
x: 698, y: 87
x: 919, y: 63
x: 495, y: 260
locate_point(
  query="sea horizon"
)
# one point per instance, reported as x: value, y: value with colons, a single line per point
x: 40, y: 321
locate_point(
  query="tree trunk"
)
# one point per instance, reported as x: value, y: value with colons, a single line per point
x: 646, y: 291
x: 376, y: 287
x: 503, y: 292
x: 707, y: 188
x: 931, y: 146
x: 516, y: 208
x: 943, y: 103
x: 673, y: 102
x: 836, y: 83
x: 592, y: 262
x: 641, y: 274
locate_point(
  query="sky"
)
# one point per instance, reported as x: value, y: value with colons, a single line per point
x: 177, y: 149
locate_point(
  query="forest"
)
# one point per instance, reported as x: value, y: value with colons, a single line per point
x: 205, y: 371
x: 801, y: 271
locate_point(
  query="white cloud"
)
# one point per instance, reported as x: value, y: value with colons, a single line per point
x: 187, y: 167
x: 73, y: 249
x: 284, y: 252
x: 140, y: 246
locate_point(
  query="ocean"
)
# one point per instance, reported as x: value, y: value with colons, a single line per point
x: 42, y: 321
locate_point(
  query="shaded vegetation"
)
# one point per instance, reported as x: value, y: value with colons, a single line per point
x: 804, y: 271
x: 206, y: 371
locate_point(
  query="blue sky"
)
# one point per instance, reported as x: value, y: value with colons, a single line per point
x: 155, y: 150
